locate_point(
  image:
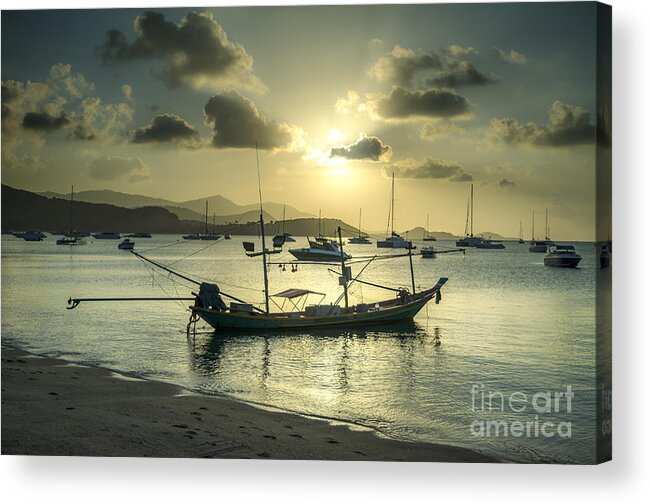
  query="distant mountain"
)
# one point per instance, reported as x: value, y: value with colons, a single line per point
x: 24, y: 210
x: 219, y: 205
x: 418, y: 233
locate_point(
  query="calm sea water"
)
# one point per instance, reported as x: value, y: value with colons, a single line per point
x: 506, y: 325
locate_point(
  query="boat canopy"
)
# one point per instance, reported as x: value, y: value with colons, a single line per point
x: 294, y: 293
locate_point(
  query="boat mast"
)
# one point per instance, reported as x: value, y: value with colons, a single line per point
x: 533, y: 223
x: 264, y: 248
x: 393, y: 195
x: 319, y: 222
x: 520, y: 235
x: 426, y: 233
x: 472, y: 209
x: 284, y: 207
x: 546, y: 224
x: 344, y: 276
x: 465, y: 229
x: 359, y: 227
x: 206, y: 216
x: 72, y: 191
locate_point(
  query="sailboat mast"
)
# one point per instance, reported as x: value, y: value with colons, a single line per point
x: 264, y: 247
x: 533, y: 223
x: 520, y: 235
x: 319, y: 233
x: 359, y: 227
x: 343, y: 267
x: 284, y: 207
x: 465, y: 229
x: 206, y: 226
x: 546, y: 224
x: 472, y: 208
x: 426, y: 233
x: 393, y: 195
x: 72, y: 191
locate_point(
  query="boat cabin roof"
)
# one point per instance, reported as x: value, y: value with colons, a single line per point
x: 294, y: 293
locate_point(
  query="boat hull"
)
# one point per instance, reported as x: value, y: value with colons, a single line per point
x: 311, y: 255
x: 538, y: 249
x: 244, y: 321
x: 562, y: 262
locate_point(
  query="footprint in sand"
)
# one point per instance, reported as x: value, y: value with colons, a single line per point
x: 269, y: 437
x: 361, y: 453
x: 332, y: 441
x: 70, y: 408
x: 297, y: 436
x: 52, y: 393
x: 180, y: 426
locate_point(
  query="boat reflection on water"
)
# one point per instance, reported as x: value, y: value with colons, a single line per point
x: 323, y: 356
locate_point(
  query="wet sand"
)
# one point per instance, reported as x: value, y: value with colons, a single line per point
x: 52, y: 407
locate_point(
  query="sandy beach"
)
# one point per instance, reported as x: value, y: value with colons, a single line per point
x: 53, y: 407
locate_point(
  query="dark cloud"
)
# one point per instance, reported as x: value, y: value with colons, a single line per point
x: 505, y: 183
x: 237, y: 124
x: 401, y: 65
x: 83, y: 133
x: 113, y: 168
x: 401, y: 104
x: 567, y: 126
x: 42, y: 121
x: 429, y: 169
x: 165, y: 128
x: 366, y: 147
x: 195, y: 52
x: 462, y: 73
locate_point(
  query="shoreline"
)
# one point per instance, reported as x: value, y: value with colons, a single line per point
x: 54, y: 407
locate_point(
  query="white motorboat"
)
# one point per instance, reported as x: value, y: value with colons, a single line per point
x: 428, y: 252
x: 126, y: 244
x: 562, y: 256
x: 320, y: 249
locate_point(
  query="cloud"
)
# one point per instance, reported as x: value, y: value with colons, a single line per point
x: 401, y: 65
x: 43, y: 121
x: 113, y: 168
x: 431, y: 131
x: 567, y: 126
x: 127, y: 91
x: 349, y: 104
x: 462, y: 73
x: 457, y: 51
x: 365, y: 147
x: 238, y: 124
x: 403, y: 105
x: 513, y: 56
x: 196, y: 52
x: 63, y: 80
x: 429, y: 168
x: 165, y: 128
x: 505, y: 183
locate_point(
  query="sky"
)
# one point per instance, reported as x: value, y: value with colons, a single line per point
x: 171, y: 103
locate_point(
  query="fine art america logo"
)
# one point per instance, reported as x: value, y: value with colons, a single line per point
x: 539, y: 408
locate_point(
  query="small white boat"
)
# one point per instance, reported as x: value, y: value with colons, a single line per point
x: 562, y: 256
x: 490, y: 244
x: 126, y: 244
x: 428, y: 252
x: 71, y: 241
x: 320, y: 249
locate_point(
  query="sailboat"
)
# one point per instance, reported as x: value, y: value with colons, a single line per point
x: 520, y: 240
x: 280, y: 239
x: 426, y: 235
x: 394, y: 240
x: 539, y: 246
x: 210, y: 306
x: 71, y: 238
x: 469, y: 240
x: 205, y: 235
x: 359, y: 239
